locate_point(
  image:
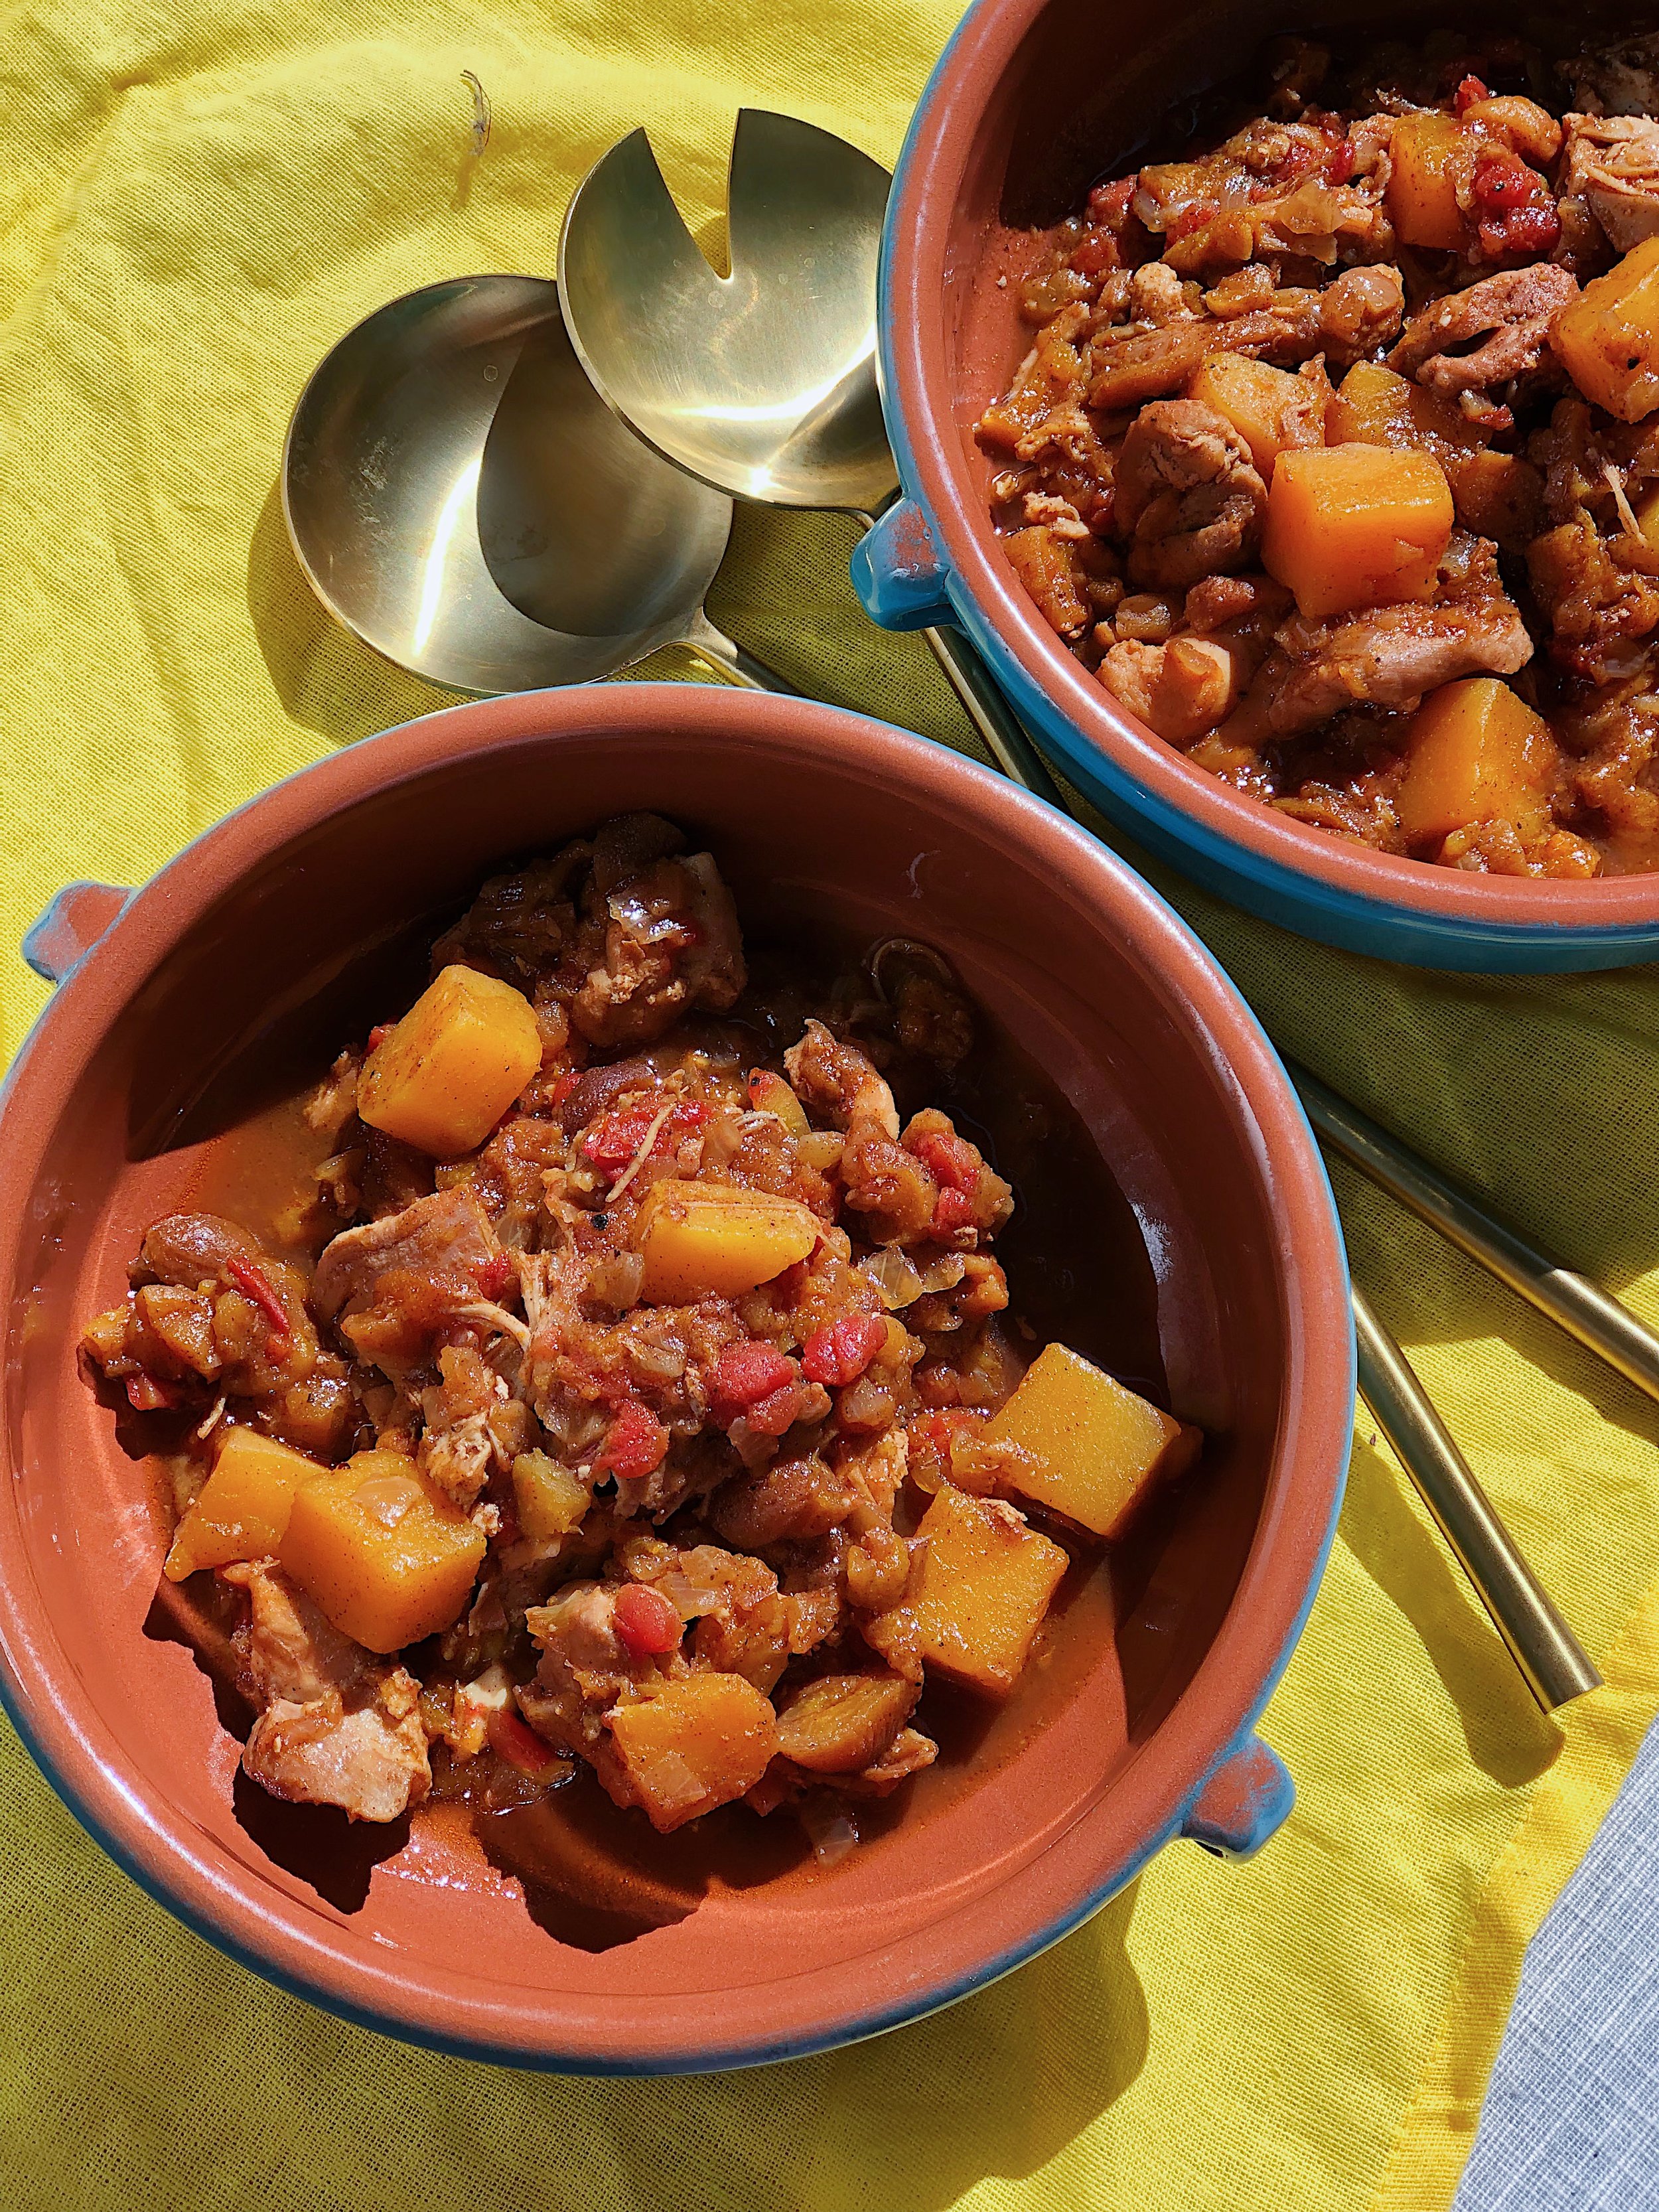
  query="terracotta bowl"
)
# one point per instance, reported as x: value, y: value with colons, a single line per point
x: 222, y: 984
x: 1033, y: 101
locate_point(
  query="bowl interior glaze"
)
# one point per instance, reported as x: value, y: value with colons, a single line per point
x: 231, y: 979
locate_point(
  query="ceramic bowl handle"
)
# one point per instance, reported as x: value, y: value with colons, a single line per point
x: 70, y: 926
x: 899, y: 572
x: 1242, y: 1803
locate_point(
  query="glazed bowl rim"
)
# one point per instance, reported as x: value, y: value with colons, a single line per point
x: 343, y: 1971
x: 921, y: 401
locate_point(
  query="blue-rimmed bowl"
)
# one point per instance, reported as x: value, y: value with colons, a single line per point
x: 1032, y: 101
x: 233, y: 976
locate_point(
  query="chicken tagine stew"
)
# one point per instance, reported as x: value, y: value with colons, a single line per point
x: 1336, y: 458
x: 654, y: 1403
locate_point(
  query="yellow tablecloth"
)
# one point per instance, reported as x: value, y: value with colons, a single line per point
x: 197, y: 202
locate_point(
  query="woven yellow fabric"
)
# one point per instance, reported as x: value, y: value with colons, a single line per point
x: 198, y: 201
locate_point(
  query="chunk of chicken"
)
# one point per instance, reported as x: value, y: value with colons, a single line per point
x: 1613, y: 164
x: 1387, y: 656
x: 336, y: 1726
x: 1512, y: 311
x: 1189, y: 495
x: 1180, y: 690
x: 1133, y: 362
x: 671, y: 941
x: 838, y: 1081
x: 446, y: 1235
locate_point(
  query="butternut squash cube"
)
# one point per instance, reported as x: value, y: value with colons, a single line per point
x: 549, y: 1500
x: 1607, y: 338
x: 1477, y: 753
x: 382, y: 1550
x: 977, y: 1593
x: 454, y: 1064
x: 242, y: 1509
x: 1431, y: 154
x: 687, y: 1746
x: 702, y: 1240
x: 1376, y: 406
x: 1356, y: 526
x: 1088, y: 1448
x: 1271, y: 410
x: 841, y: 1723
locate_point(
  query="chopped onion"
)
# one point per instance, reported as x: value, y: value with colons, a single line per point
x: 832, y: 1829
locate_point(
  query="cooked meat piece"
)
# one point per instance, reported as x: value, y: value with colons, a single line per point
x: 1621, y: 80
x: 1517, y: 307
x: 628, y: 932
x: 1218, y: 600
x: 1157, y: 297
x: 1596, y: 607
x: 193, y: 1250
x: 839, y: 1082
x: 1387, y: 656
x: 1188, y: 495
x: 523, y: 923
x: 1130, y: 365
x: 1617, y: 734
x: 786, y: 1503
x: 446, y: 1238
x: 336, y: 1725
x: 671, y: 944
x: 1180, y: 690
x: 1613, y: 165
x: 1266, y: 190
x: 1360, y: 312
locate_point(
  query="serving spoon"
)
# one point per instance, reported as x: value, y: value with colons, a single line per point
x: 459, y: 498
x: 762, y: 384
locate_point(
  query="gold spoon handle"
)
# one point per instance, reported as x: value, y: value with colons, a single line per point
x: 999, y: 728
x: 1552, y: 1663
x: 1597, y: 1320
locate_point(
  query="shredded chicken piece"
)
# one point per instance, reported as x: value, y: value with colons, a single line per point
x: 1387, y: 656
x: 448, y: 1234
x: 1613, y: 165
x: 336, y: 1725
x: 1180, y: 690
x: 1517, y: 307
x: 1189, y: 494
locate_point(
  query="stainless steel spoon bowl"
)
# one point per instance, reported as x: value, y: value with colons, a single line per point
x: 763, y: 383
x: 458, y: 496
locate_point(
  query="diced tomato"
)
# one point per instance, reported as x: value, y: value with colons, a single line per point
x: 493, y: 1276
x: 954, y: 1211
x: 253, y: 1285
x: 1096, y: 253
x: 954, y: 1162
x: 1110, y: 203
x: 646, y: 1622
x: 1521, y: 232
x: 378, y: 1034
x: 840, y: 1353
x: 745, y: 1374
x: 1502, y: 184
x: 520, y: 1746
x: 146, y: 1395
x: 1339, y: 163
x: 1191, y: 219
x: 634, y: 1443
x: 619, y: 1136
x: 776, y: 1413
x: 559, y: 1087
x: 1469, y: 94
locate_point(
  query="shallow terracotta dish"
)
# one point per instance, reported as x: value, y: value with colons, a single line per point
x: 1032, y: 102
x: 216, y: 986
